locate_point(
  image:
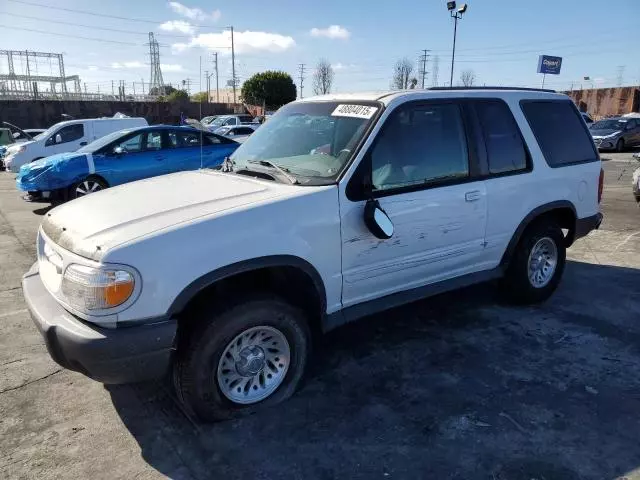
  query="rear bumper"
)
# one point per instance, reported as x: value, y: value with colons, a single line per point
x: 587, y: 224
x: 120, y: 355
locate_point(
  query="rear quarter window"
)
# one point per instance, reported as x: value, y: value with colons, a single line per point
x: 561, y: 134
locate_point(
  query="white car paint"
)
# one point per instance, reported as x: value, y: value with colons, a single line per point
x: 93, y: 129
x: 176, y: 228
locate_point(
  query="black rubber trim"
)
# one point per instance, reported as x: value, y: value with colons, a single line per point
x: 186, y: 295
x: 119, y: 355
x: 371, y: 307
x: 586, y: 225
x: 531, y: 216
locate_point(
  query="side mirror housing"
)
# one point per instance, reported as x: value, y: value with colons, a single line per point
x: 377, y: 220
x: 58, y: 138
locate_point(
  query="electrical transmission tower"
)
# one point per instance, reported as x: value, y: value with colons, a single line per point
x: 301, y: 78
x: 424, y: 58
x: 156, y: 81
x: 434, y: 71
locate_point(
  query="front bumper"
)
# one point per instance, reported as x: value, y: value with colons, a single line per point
x: 605, y: 143
x: 587, y: 224
x: 120, y: 355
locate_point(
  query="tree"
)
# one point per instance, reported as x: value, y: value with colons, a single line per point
x: 467, y: 78
x: 200, y: 97
x: 271, y: 89
x: 323, y: 78
x: 402, y: 74
x: 413, y: 83
x: 178, y: 96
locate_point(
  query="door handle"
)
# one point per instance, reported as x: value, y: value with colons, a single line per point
x: 159, y: 158
x: 82, y: 144
x: 472, y: 196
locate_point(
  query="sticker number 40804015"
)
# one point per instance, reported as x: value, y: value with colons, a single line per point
x: 355, y: 111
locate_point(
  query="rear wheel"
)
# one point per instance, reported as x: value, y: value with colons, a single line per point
x: 536, y: 268
x: 620, y: 145
x: 252, y: 354
x: 87, y: 186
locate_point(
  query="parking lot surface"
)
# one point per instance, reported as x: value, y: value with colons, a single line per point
x: 460, y: 386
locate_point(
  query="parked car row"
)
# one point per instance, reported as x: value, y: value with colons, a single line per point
x: 77, y: 157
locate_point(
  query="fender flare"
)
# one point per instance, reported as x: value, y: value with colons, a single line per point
x: 528, y: 219
x: 208, y: 279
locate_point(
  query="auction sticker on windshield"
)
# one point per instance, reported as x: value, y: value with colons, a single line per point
x: 355, y: 111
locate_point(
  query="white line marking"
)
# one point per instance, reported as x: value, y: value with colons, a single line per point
x: 625, y: 241
x: 8, y: 314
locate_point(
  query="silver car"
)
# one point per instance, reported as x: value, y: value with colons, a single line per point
x: 616, y: 133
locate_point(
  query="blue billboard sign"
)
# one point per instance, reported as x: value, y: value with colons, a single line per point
x: 549, y: 64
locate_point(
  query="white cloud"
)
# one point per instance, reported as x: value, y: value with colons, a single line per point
x: 245, y: 42
x: 134, y: 64
x: 341, y: 66
x: 333, y: 31
x: 178, y: 26
x: 194, y: 13
x: 92, y: 68
x: 171, y: 67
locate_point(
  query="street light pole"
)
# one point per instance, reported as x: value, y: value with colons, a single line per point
x: 456, y: 15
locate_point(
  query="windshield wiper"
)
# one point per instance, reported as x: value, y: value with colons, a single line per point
x: 282, y: 171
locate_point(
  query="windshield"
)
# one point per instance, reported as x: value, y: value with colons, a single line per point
x: 218, y: 121
x: 40, y: 136
x: 608, y: 125
x: 309, y: 139
x: 101, y: 142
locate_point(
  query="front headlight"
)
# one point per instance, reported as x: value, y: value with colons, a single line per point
x: 613, y: 135
x: 87, y: 288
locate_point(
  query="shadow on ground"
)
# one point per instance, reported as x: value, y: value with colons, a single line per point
x: 457, y: 386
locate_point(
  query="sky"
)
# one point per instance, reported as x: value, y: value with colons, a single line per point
x: 104, y: 41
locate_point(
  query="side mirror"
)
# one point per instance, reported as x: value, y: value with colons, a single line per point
x: 377, y: 220
x: 16, y: 135
x: 58, y: 138
x: 118, y: 151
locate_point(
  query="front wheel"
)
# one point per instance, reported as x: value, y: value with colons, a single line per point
x: 87, y: 186
x: 620, y: 145
x: 251, y: 355
x: 536, y: 268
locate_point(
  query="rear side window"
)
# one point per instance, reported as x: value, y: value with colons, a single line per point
x: 561, y: 133
x: 505, y: 148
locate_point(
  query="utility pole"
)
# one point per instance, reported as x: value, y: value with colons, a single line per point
x: 206, y: 75
x: 424, y: 58
x: 113, y: 92
x: 435, y: 71
x: 134, y: 88
x: 620, y: 76
x: 301, y: 79
x: 233, y: 65
x: 215, y: 56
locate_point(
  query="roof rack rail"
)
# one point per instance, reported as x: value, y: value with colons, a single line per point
x: 526, y: 89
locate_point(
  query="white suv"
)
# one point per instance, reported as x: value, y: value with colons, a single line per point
x: 338, y: 207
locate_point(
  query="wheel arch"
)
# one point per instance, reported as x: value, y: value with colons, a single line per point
x: 290, y: 276
x: 561, y: 211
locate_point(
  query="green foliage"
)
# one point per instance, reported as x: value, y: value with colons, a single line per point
x: 178, y: 96
x: 270, y: 88
x: 199, y: 97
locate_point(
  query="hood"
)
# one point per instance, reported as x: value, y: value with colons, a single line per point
x: 91, y: 225
x: 50, y: 161
x: 14, y: 147
x: 603, y: 133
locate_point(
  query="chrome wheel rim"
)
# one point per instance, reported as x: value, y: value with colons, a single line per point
x: 543, y: 260
x: 87, y: 187
x: 253, y: 365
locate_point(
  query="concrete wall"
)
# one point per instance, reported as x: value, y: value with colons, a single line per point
x: 44, y: 113
x: 603, y: 102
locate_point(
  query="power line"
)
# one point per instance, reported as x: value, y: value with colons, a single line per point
x: 104, y: 15
x: 93, y: 27
x: 72, y: 36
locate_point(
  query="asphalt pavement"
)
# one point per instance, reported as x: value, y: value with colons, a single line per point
x: 460, y: 386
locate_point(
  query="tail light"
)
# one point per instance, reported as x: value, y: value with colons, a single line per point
x: 600, y: 185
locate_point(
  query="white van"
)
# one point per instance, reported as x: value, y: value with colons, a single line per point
x: 65, y: 136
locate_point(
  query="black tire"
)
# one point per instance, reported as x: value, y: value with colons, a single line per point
x: 516, y: 284
x: 198, y: 355
x: 87, y: 183
x: 620, y: 145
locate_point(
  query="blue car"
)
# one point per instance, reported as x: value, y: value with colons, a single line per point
x: 122, y: 157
